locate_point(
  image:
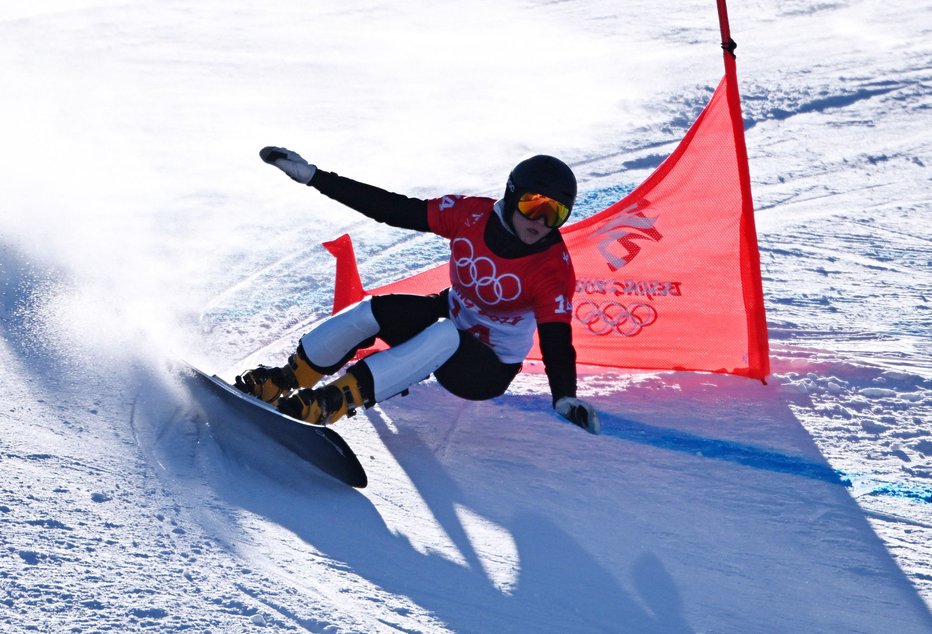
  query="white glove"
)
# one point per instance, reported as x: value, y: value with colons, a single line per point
x: 289, y: 162
x: 580, y: 413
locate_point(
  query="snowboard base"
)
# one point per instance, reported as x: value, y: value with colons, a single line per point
x: 319, y: 445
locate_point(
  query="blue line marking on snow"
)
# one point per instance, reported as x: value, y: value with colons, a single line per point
x: 718, y: 449
x: 918, y: 494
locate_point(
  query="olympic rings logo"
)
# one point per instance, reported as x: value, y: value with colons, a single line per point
x: 481, y: 275
x: 612, y: 316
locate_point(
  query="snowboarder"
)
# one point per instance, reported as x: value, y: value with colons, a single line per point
x: 510, y: 273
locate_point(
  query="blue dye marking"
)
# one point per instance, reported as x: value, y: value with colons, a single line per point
x: 919, y: 494
x: 718, y: 449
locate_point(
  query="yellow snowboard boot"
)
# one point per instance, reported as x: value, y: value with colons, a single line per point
x: 270, y: 384
x: 325, y: 405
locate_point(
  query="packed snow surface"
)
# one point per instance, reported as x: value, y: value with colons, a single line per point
x: 139, y: 227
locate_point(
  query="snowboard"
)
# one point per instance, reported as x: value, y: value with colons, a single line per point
x: 319, y: 445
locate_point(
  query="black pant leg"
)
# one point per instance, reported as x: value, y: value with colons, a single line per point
x: 400, y: 317
x: 474, y: 372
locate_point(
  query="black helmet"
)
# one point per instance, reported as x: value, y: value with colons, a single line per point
x: 540, y: 174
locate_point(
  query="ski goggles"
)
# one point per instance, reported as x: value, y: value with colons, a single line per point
x: 533, y: 206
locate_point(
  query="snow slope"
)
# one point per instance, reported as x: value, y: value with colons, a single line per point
x: 139, y: 225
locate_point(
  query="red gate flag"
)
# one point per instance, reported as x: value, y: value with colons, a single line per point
x: 668, y: 278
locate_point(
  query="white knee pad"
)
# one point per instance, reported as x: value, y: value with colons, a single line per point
x: 332, y: 339
x: 396, y: 369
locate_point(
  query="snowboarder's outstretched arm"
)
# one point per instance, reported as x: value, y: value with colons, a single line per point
x: 559, y: 356
x: 380, y: 205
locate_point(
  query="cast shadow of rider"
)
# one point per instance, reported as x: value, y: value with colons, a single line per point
x: 560, y: 587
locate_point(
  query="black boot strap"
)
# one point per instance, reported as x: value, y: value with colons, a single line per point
x: 350, y: 401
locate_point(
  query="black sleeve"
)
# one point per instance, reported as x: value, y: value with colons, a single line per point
x: 556, y: 348
x: 380, y: 205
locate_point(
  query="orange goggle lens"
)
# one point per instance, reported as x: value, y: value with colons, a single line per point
x: 534, y: 206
